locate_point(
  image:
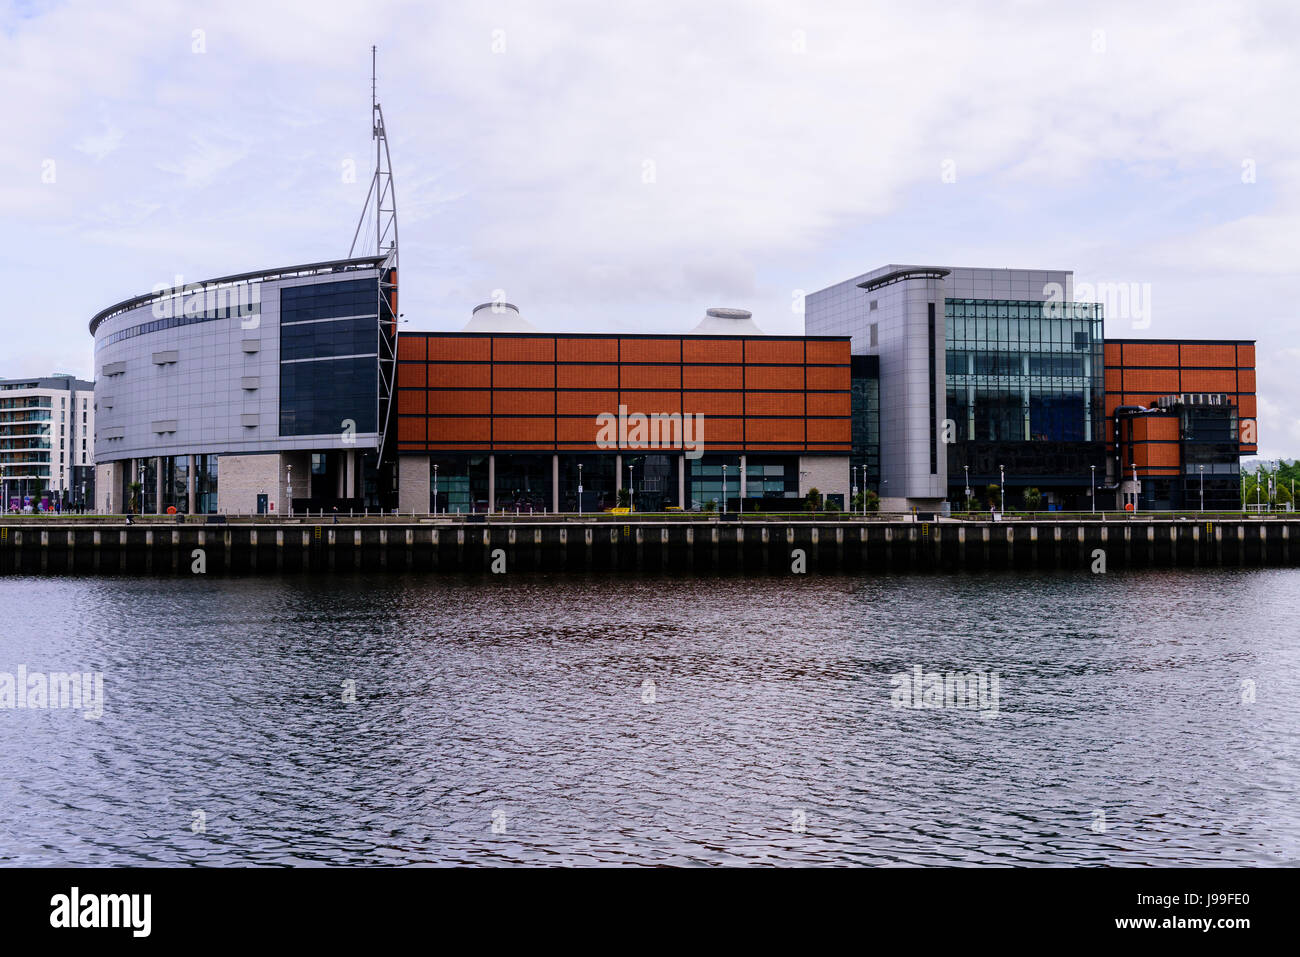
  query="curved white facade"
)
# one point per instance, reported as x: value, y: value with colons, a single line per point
x: 238, y: 367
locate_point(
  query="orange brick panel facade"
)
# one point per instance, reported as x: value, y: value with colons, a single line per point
x: 1149, y: 370
x: 586, y: 376
x: 650, y: 377
x: 586, y: 350
x: 532, y: 392
x: 702, y: 350
x: 1141, y: 372
x: 731, y: 378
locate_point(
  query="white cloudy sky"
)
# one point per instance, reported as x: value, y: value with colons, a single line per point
x: 792, y: 145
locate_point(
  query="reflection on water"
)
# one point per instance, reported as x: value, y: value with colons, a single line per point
x: 727, y: 721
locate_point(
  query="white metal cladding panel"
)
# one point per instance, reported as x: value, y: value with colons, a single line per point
x: 1020, y: 284
x: 203, y: 390
x: 200, y: 390
x: 902, y: 319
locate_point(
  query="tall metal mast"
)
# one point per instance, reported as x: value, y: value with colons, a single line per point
x: 385, y: 206
x: 381, y: 184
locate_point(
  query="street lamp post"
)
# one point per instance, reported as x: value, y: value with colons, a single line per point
x: 853, y: 490
x: 740, y: 492
x: 1201, y: 469
x: 1135, y: 488
x: 435, y: 489
x: 631, y: 488
x: 1092, y: 489
x: 579, y: 488
x: 288, y: 487
x: 1002, y: 488
x: 724, y: 488
x: 966, y: 504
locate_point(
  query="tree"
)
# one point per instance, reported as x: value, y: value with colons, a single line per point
x: 866, y: 501
x: 1033, y: 499
x: 1257, y: 491
x: 136, y: 500
x: 992, y: 493
x: 813, y: 501
x: 624, y: 496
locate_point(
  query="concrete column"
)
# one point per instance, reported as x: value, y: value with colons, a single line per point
x: 555, y: 482
x: 492, y: 482
x: 618, y: 472
x: 157, y: 485
x: 340, y: 490
x: 681, y: 483
x: 189, y: 484
x: 352, y: 474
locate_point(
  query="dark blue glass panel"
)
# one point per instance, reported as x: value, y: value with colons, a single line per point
x: 317, y: 398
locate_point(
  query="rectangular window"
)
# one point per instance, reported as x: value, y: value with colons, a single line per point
x: 934, y: 412
x: 322, y: 398
x: 319, y: 340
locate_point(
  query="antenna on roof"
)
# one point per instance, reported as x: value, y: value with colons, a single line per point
x: 381, y: 183
x: 385, y: 206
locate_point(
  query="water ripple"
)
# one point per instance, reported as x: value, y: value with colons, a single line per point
x: 656, y: 722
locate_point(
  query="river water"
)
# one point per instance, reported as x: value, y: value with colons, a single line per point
x: 1134, y: 718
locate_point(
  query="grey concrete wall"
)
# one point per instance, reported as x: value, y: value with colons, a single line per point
x: 829, y: 474
x: 241, y: 478
x: 108, y: 480
x: 414, y: 485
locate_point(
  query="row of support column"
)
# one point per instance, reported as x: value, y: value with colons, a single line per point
x: 416, y: 496
x: 555, y: 480
x: 132, y: 467
x: 346, y: 486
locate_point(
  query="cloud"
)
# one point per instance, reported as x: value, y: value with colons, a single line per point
x: 626, y: 167
x: 98, y: 145
x: 204, y: 159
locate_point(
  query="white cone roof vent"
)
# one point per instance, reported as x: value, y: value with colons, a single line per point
x: 498, y: 317
x: 727, y: 322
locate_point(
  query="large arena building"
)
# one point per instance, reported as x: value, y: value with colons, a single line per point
x: 292, y: 389
x: 278, y: 389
